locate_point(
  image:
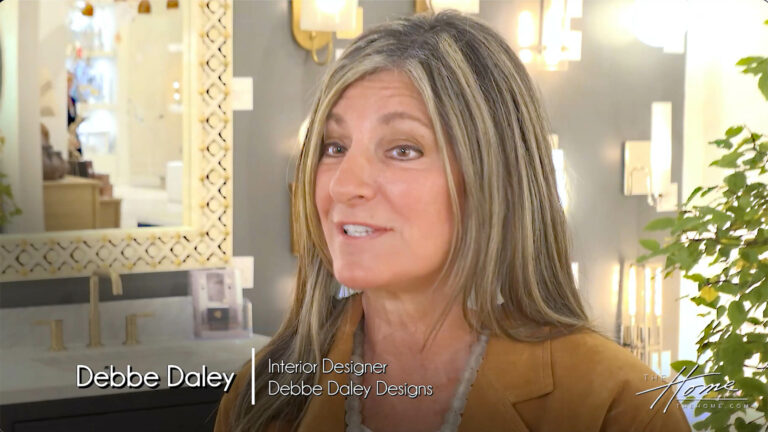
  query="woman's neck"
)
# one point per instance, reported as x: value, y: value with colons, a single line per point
x: 400, y: 323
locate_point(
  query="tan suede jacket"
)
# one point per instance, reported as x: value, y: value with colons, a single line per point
x: 579, y: 382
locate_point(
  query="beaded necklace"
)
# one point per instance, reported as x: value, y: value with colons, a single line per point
x: 352, y: 405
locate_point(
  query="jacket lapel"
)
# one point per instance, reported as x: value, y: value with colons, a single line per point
x: 511, y: 371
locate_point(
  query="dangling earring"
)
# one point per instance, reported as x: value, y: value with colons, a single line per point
x: 472, y: 304
x: 345, y: 291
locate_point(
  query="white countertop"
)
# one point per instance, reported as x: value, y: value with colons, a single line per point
x: 31, y: 374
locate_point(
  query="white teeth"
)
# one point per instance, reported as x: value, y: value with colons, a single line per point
x: 357, y: 230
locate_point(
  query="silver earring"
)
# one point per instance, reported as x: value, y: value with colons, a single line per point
x: 471, y: 303
x: 345, y: 291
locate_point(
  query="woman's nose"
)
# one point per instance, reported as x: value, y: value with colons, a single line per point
x: 354, y: 179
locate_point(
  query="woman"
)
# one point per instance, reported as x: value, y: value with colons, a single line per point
x: 425, y: 189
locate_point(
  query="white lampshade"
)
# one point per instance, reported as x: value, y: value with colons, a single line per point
x: 463, y: 6
x: 328, y: 15
x: 661, y: 145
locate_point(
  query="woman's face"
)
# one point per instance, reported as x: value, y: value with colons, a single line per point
x: 381, y: 188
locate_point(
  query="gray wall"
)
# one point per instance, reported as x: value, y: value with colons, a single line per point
x: 596, y: 105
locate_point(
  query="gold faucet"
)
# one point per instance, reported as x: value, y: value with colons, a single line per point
x: 131, y: 329
x: 57, y: 343
x: 94, y: 320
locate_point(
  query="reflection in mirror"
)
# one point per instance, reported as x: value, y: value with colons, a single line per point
x: 113, y: 149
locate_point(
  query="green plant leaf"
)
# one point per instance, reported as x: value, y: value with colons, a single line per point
x: 660, y: 224
x: 707, y: 293
x: 696, y: 277
x: 708, y: 190
x: 720, y: 311
x: 693, y: 195
x: 650, y: 244
x: 762, y: 84
x: 736, y: 313
x: 677, y: 366
x: 748, y: 60
x: 729, y: 160
x: 733, y: 131
x: 727, y: 288
x: 751, y: 386
x: 722, y: 143
x: 736, y: 181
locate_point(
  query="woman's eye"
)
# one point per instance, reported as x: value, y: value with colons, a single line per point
x: 332, y: 150
x: 406, y: 152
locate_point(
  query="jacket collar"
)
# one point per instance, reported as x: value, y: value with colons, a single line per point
x: 511, y: 371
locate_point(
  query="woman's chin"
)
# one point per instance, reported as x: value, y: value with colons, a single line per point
x: 357, y: 280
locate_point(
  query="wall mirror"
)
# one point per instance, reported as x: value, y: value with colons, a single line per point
x: 137, y: 158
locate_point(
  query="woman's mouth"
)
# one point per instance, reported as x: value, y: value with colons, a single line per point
x: 357, y: 231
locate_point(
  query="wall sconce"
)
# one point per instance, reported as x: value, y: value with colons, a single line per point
x: 544, y: 34
x: 660, y: 24
x: 648, y: 164
x: 463, y: 6
x: 87, y: 10
x: 145, y: 7
x: 641, y: 326
x: 314, y: 21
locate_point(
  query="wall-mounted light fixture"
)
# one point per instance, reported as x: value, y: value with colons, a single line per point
x: 144, y: 7
x: 314, y: 21
x: 544, y: 34
x: 463, y: 6
x: 641, y: 326
x: 87, y: 10
x: 660, y: 24
x: 648, y: 164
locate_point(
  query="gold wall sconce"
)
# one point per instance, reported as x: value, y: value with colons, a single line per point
x: 87, y: 10
x: 145, y: 7
x: 313, y: 23
x: 463, y: 6
x: 544, y: 34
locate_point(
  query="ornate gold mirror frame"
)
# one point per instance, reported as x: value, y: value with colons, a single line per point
x: 205, y: 239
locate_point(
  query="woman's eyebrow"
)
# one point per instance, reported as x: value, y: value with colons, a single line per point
x: 402, y: 115
x: 335, y: 118
x: 384, y: 118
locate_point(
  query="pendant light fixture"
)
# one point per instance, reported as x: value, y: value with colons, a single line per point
x: 145, y: 7
x: 172, y: 4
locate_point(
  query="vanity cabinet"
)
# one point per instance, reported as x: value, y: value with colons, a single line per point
x: 74, y: 203
x: 170, y: 410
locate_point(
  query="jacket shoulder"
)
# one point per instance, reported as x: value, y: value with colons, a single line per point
x: 606, y: 387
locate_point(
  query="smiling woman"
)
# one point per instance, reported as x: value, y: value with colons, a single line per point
x: 381, y: 187
x: 425, y: 184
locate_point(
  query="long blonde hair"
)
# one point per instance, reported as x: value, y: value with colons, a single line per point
x: 511, y: 237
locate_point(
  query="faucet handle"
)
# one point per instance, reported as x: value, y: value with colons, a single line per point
x: 57, y: 343
x: 131, y: 330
